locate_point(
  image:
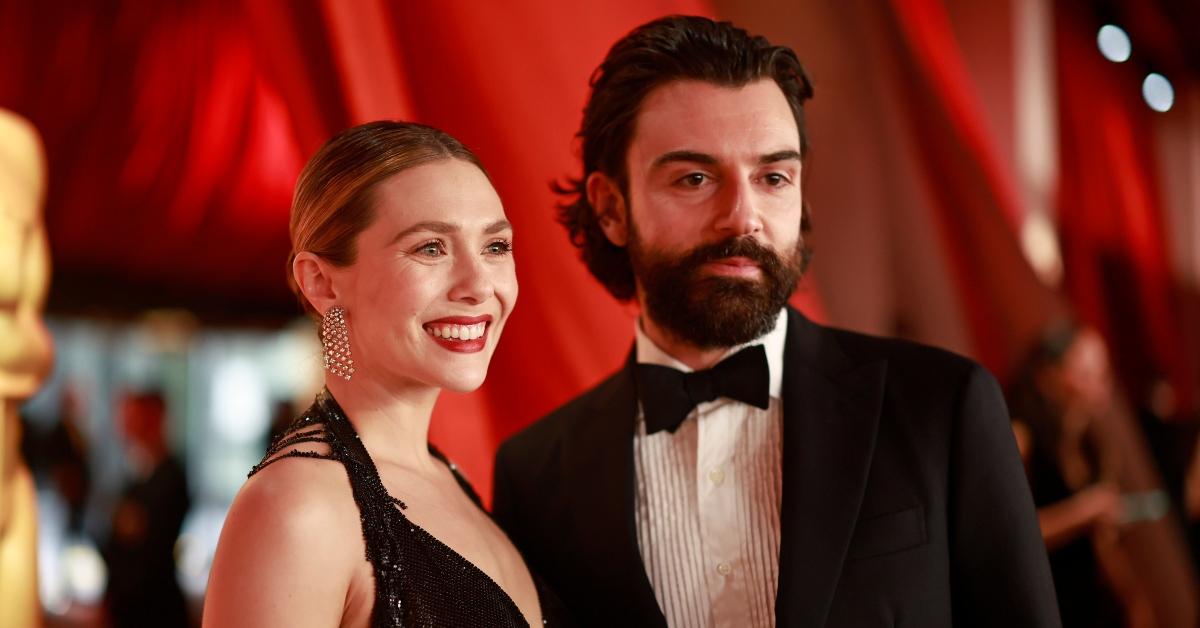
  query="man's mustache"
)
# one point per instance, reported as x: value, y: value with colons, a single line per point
x: 746, y: 247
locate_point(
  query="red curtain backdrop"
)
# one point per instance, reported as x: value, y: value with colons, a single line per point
x: 175, y: 131
x: 1117, y: 264
x: 171, y: 155
x: 972, y: 188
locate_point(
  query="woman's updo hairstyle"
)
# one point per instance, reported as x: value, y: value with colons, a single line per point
x: 333, y: 200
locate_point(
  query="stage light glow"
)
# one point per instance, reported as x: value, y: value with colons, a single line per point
x: 1114, y: 43
x: 240, y: 407
x: 1158, y: 92
x: 85, y: 571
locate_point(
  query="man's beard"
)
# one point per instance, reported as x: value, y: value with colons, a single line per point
x: 712, y: 311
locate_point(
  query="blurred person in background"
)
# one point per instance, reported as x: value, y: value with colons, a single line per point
x: 282, y: 415
x: 25, y: 357
x: 1060, y: 398
x: 140, y: 551
x: 1191, y: 501
x: 65, y: 453
x: 401, y: 246
x: 1173, y: 432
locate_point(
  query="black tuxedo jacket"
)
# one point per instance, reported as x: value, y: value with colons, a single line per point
x: 904, y: 499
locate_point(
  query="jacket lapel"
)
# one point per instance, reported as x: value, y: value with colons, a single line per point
x: 599, y: 461
x: 831, y: 409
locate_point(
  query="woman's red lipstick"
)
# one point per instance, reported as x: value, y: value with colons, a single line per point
x: 461, y: 334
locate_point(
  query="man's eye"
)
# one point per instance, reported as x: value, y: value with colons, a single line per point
x: 775, y: 179
x: 695, y: 179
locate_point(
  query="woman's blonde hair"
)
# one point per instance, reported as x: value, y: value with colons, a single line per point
x: 333, y: 200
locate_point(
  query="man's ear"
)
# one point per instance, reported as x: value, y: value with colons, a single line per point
x: 314, y: 276
x: 609, y: 205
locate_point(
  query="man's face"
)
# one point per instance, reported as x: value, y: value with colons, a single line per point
x: 713, y: 209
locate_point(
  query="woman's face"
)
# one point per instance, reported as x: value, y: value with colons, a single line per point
x: 433, y: 281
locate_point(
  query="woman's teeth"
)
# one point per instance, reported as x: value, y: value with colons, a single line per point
x: 457, y: 332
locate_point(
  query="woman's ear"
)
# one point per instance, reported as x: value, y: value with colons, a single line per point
x: 608, y: 203
x: 314, y: 276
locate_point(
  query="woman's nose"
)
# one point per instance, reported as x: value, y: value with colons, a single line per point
x: 472, y: 281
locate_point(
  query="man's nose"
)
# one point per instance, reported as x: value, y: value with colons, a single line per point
x: 737, y: 210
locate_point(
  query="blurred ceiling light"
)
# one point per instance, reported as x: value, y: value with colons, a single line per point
x: 1114, y: 43
x: 1158, y: 92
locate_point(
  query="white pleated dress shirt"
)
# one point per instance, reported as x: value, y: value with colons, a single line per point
x: 707, y: 502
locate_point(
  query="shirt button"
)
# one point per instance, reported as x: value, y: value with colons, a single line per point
x: 724, y: 569
x: 716, y: 476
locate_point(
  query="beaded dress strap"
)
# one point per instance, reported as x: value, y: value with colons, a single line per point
x: 305, y: 429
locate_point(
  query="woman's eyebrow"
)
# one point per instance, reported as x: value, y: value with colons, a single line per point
x: 498, y: 226
x: 428, y: 225
x: 437, y: 226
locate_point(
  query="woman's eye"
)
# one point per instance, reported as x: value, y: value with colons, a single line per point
x: 499, y: 247
x: 433, y: 248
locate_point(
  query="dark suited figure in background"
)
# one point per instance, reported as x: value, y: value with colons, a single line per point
x: 140, y: 552
x: 66, y: 453
x: 746, y: 466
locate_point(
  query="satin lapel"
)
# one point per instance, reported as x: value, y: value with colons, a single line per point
x: 831, y: 409
x: 600, y: 464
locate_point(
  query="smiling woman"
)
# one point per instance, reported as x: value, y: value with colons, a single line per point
x: 402, y: 248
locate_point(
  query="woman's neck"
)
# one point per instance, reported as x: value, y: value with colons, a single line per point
x: 392, y: 423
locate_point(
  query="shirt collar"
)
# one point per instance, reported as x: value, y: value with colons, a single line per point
x: 773, y: 341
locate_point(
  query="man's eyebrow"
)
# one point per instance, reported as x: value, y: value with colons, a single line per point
x: 690, y: 156
x: 777, y: 156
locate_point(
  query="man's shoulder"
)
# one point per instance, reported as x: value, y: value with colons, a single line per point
x: 898, y: 351
x: 923, y: 371
x: 547, y: 432
x: 910, y: 364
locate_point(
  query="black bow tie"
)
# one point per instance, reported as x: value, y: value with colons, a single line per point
x: 668, y: 395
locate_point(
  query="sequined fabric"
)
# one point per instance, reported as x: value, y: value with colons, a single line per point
x: 419, y: 581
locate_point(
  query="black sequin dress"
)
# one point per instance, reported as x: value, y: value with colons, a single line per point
x: 419, y: 581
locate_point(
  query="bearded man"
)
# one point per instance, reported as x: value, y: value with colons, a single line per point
x: 745, y: 466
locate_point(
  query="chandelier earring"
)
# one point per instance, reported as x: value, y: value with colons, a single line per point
x: 335, y: 343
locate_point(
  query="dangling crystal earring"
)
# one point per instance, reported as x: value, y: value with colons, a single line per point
x: 335, y: 341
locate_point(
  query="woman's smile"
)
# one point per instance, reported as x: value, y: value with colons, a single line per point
x: 462, y: 334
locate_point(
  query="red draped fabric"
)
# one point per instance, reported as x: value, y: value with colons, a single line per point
x: 1116, y: 259
x: 972, y: 189
x: 175, y: 131
x: 171, y: 157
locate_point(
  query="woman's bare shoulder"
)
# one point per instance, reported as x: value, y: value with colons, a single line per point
x: 299, y: 493
x: 288, y: 549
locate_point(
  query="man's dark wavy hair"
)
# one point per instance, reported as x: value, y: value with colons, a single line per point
x: 672, y: 48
